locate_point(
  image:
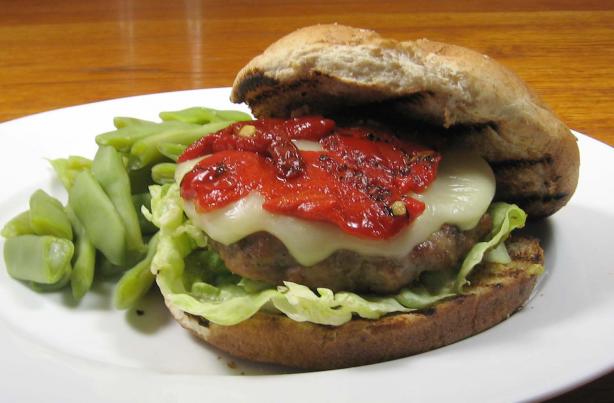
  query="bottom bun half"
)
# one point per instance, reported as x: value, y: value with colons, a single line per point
x: 496, y: 291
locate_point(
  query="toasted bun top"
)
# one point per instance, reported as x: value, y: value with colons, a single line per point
x: 446, y: 95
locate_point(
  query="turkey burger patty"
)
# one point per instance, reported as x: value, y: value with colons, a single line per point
x: 263, y: 257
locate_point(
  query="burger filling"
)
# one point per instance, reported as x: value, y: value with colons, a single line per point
x: 305, y: 215
x: 362, y: 181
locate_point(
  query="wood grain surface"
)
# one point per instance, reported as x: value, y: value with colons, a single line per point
x: 67, y: 52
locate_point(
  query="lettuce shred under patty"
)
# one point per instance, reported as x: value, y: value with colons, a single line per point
x: 195, y: 280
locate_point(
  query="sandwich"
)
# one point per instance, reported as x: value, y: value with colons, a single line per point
x: 367, y: 213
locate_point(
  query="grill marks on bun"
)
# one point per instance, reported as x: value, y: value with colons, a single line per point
x: 538, y: 180
x: 466, y: 98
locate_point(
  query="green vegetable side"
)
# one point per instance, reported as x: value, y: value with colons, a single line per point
x: 106, y: 229
x: 102, y: 231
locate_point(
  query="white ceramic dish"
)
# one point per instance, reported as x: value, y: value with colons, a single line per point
x: 54, y: 350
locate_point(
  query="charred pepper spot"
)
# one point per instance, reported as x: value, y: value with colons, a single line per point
x: 220, y: 169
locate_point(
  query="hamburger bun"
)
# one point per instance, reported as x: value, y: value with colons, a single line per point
x: 466, y: 100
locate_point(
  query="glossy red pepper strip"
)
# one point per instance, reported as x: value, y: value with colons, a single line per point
x: 267, y: 137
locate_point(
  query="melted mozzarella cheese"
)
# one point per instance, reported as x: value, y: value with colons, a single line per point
x: 460, y: 195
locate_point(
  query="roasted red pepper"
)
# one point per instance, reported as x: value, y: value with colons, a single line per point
x: 361, y: 181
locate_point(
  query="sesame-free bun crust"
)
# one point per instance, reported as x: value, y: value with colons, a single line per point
x: 496, y: 291
x: 474, y: 101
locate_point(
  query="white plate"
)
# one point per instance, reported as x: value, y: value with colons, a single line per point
x: 54, y: 350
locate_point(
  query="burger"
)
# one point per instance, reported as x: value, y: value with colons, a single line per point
x: 366, y: 214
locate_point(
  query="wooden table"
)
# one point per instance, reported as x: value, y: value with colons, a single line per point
x: 67, y: 52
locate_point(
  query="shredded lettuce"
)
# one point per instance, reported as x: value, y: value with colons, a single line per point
x: 498, y: 255
x: 505, y: 218
x: 432, y: 287
x: 195, y: 280
x: 301, y: 304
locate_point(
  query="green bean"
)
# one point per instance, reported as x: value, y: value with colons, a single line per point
x: 164, y: 172
x: 139, y: 200
x: 101, y: 221
x: 171, y: 150
x: 52, y: 287
x: 145, y: 151
x: 41, y: 259
x: 135, y: 283
x: 19, y: 225
x: 201, y: 115
x: 123, y: 121
x: 123, y: 139
x: 106, y: 269
x: 195, y: 115
x: 233, y: 116
x: 47, y: 216
x: 84, y: 260
x: 68, y: 168
x: 108, y: 169
x: 140, y: 180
